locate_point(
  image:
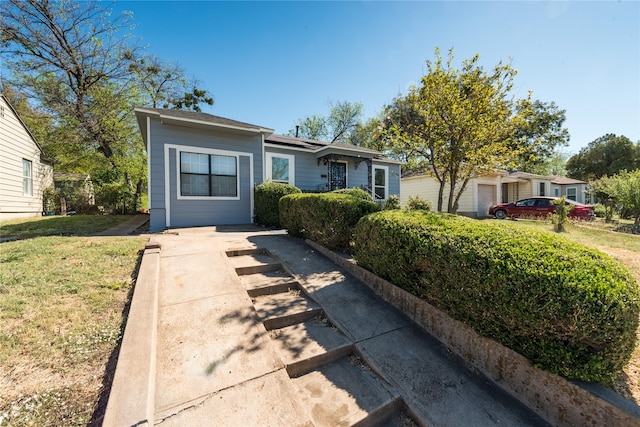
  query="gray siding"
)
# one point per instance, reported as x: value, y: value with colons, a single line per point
x: 184, y: 212
x: 308, y: 173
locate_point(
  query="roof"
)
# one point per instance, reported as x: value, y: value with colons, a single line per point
x: 322, y: 148
x: 197, y: 119
x: 170, y: 116
x: 43, y: 156
x: 563, y: 180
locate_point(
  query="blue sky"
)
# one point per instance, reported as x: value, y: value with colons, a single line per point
x: 270, y: 63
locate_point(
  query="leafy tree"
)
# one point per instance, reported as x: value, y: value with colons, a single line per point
x: 626, y: 187
x: 458, y: 124
x: 605, y: 192
x: 539, y: 134
x: 338, y: 126
x: 605, y: 156
x: 62, y: 52
x: 163, y: 85
x: 553, y: 164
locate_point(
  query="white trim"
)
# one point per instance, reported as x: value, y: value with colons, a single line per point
x: 167, y: 176
x: 269, y: 166
x: 148, y: 147
x: 386, y: 181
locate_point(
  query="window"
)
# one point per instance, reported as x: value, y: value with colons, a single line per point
x: 542, y: 189
x: 526, y: 202
x: 380, y: 182
x: 280, y: 168
x: 556, y: 192
x: 208, y: 175
x: 27, y: 177
x: 572, y: 193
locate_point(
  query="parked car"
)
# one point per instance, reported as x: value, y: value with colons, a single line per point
x: 540, y: 207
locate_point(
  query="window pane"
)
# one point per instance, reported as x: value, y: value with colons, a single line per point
x: 379, y: 177
x: 27, y: 181
x: 279, y: 169
x: 379, y: 192
x: 223, y: 165
x: 194, y: 163
x: 194, y: 185
x: 223, y: 186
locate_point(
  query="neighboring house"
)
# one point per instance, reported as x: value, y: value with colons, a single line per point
x: 573, y: 189
x: 25, y: 171
x: 480, y: 194
x: 203, y: 168
x: 501, y: 187
x: 76, y: 188
x: 520, y: 185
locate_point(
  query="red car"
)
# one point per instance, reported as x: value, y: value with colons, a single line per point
x: 538, y: 207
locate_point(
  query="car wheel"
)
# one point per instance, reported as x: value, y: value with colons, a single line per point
x: 501, y: 214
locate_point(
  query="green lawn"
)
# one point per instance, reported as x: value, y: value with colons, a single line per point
x: 62, y: 303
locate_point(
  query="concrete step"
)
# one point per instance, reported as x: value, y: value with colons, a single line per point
x: 285, y: 309
x: 269, y: 282
x: 306, y: 346
x: 347, y: 393
x: 254, y: 263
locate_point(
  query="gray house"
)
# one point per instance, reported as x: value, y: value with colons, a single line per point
x: 203, y: 168
x: 25, y: 172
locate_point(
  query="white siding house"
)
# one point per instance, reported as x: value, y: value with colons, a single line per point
x: 573, y: 189
x: 480, y: 194
x: 485, y: 191
x: 24, y: 170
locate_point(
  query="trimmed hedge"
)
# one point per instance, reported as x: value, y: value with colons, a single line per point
x: 569, y: 309
x: 355, y: 192
x: 266, y: 198
x: 327, y: 218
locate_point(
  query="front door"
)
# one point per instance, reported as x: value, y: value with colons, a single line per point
x: 337, y: 175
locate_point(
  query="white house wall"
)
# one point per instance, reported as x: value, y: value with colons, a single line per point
x: 17, y: 144
x: 427, y: 187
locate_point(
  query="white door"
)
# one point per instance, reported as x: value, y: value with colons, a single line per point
x: 486, y: 199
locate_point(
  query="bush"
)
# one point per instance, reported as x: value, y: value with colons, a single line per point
x: 266, y: 198
x: 561, y: 216
x: 569, y: 309
x: 328, y: 218
x: 355, y: 192
x: 392, y: 202
x: 600, y: 210
x: 416, y: 203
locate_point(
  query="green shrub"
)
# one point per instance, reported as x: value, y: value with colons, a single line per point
x: 355, y: 192
x: 417, y: 203
x: 569, y: 309
x: 600, y: 210
x: 266, y: 198
x: 392, y: 202
x: 328, y: 218
x: 561, y: 216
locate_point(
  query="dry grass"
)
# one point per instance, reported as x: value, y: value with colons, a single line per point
x: 62, y: 303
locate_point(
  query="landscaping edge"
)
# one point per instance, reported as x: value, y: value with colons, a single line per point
x: 131, y: 399
x: 559, y: 401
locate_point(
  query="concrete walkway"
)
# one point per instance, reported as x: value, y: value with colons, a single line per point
x: 244, y: 327
x: 128, y: 228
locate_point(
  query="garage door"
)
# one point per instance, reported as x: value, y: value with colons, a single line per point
x: 486, y: 199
